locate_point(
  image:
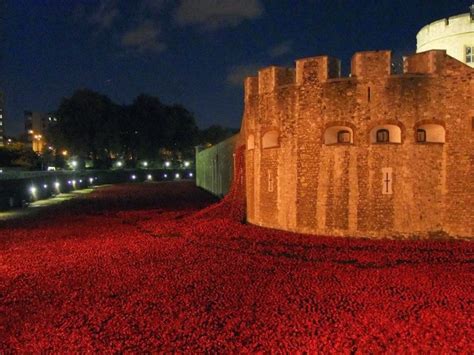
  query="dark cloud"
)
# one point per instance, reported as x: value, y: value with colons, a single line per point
x: 280, y: 49
x: 214, y: 14
x: 105, y: 15
x: 144, y: 37
x: 238, y: 73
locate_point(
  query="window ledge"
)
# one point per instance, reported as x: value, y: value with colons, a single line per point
x: 386, y: 143
x: 338, y: 144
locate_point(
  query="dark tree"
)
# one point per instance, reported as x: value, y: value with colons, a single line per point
x: 154, y: 126
x: 88, y: 125
x: 215, y: 134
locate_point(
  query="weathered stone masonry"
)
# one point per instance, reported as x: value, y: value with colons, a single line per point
x: 315, y: 162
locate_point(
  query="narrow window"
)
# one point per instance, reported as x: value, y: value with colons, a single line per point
x: 383, y: 136
x: 469, y: 54
x: 420, y: 135
x: 270, y: 181
x: 368, y: 94
x: 343, y: 137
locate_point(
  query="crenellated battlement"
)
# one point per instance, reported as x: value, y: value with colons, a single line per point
x: 365, y: 66
x: 445, y: 27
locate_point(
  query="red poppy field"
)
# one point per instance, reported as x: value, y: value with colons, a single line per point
x: 155, y: 267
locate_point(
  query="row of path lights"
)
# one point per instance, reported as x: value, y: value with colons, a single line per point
x: 56, y: 187
x: 149, y: 177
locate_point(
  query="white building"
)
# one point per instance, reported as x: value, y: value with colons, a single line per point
x: 454, y: 34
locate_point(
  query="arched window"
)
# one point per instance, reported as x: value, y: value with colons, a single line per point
x: 383, y: 136
x: 270, y: 139
x: 431, y: 132
x: 386, y: 133
x: 250, y: 142
x: 344, y: 137
x: 420, y: 135
x: 338, y: 135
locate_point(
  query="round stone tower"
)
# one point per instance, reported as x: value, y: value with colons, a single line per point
x: 454, y: 34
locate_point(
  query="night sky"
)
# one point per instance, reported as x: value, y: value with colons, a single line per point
x: 194, y: 52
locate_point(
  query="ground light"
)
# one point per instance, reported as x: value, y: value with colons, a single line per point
x: 33, y: 191
x: 57, y: 185
x: 91, y: 180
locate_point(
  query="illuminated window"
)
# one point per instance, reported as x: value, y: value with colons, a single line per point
x: 469, y: 54
x: 338, y: 135
x: 420, y: 135
x: 343, y: 137
x: 383, y: 136
x: 430, y: 133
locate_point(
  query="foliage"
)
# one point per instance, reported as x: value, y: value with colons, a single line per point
x: 18, y: 155
x: 93, y: 127
x: 87, y: 125
x: 215, y: 134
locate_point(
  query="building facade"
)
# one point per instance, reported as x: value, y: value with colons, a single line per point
x: 454, y: 34
x: 373, y: 154
x: 36, y: 126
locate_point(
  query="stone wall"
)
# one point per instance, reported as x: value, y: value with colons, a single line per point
x: 215, y: 168
x: 305, y: 181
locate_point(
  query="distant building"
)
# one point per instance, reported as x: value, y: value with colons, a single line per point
x: 2, y: 114
x: 454, y: 34
x: 36, y: 125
